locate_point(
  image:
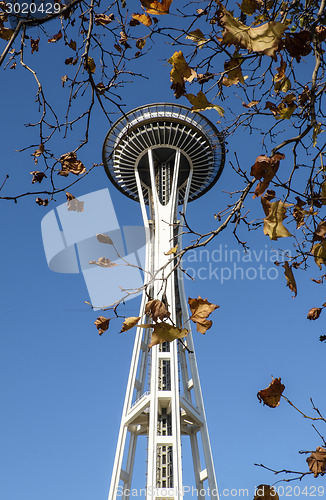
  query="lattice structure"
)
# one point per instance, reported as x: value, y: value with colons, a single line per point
x: 163, y: 155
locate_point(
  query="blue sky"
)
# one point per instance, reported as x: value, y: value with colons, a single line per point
x: 62, y: 386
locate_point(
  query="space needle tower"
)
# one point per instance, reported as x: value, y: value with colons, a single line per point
x: 163, y: 156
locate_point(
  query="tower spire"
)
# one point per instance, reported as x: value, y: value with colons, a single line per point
x: 163, y: 156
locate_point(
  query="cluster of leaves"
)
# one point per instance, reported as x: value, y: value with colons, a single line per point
x: 271, y: 397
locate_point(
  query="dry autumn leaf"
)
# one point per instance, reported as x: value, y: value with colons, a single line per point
x: 180, y: 73
x: 265, y: 39
x: 264, y: 169
x: 6, y: 33
x: 145, y: 19
x: 102, y: 324
x: 140, y: 43
x: 55, y: 38
x: 70, y: 165
x: 273, y: 222
x: 91, y: 66
x: 319, y: 253
x: 233, y: 71
x: 320, y: 231
x: 272, y: 394
x: 298, y: 44
x: 290, y: 281
x: 103, y: 262
x: 163, y: 332
x: 265, y: 492
x: 171, y: 251
x: 157, y: 310
x: 317, y: 461
x: 200, y: 103
x: 104, y: 238
x: 200, y: 310
x: 73, y: 204
x: 314, y: 313
x: 103, y: 19
x: 155, y: 7
x: 34, y: 45
x: 38, y: 153
x: 129, y: 323
x: 42, y: 202
x: 198, y: 37
x: 37, y: 176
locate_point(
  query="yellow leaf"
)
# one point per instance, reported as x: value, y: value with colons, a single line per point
x: 145, y: 19
x: 265, y: 39
x: 282, y: 85
x: 163, y: 332
x: 315, y: 134
x: 273, y: 222
x: 319, y: 253
x: 180, y: 73
x: 200, y: 310
x: 198, y: 37
x: 200, y: 103
x: 171, y: 251
x: 155, y: 7
x: 129, y: 323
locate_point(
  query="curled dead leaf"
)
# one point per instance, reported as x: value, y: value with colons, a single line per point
x: 129, y: 323
x: 265, y: 492
x: 200, y: 310
x: 55, y: 38
x: 319, y: 252
x: 73, y: 204
x: 314, y: 313
x: 157, y: 310
x: 317, y: 461
x: 42, y: 202
x: 273, y: 222
x: 103, y: 19
x: 145, y: 19
x: 155, y: 7
x: 264, y: 169
x: 70, y: 165
x: 180, y: 73
x: 103, y: 262
x: 35, y: 44
x: 102, y: 324
x: 290, y: 281
x: 272, y: 394
x: 37, y: 176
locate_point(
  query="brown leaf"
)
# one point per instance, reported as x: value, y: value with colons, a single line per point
x: 38, y: 153
x: 273, y: 222
x: 90, y: 66
x: 320, y: 231
x: 321, y: 33
x: 55, y: 38
x: 265, y: 492
x: 140, y: 43
x: 37, y: 176
x: 64, y: 79
x: 102, y: 324
x: 70, y: 165
x: 314, y: 313
x: 5, y: 33
x: 291, y: 283
x: 200, y: 310
x: 104, y: 238
x: 265, y: 39
x: 200, y: 103
x: 157, y: 310
x: 73, y: 204
x: 103, y: 19
x: 298, y: 44
x: 204, y: 77
x: 73, y: 45
x: 155, y: 7
x: 180, y: 73
x: 265, y: 168
x: 34, y: 45
x: 71, y: 61
x: 272, y: 394
x: 129, y: 323
x: 42, y: 202
x: 164, y: 332
x: 145, y: 19
x: 250, y: 104
x: 103, y: 262
x: 317, y: 461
